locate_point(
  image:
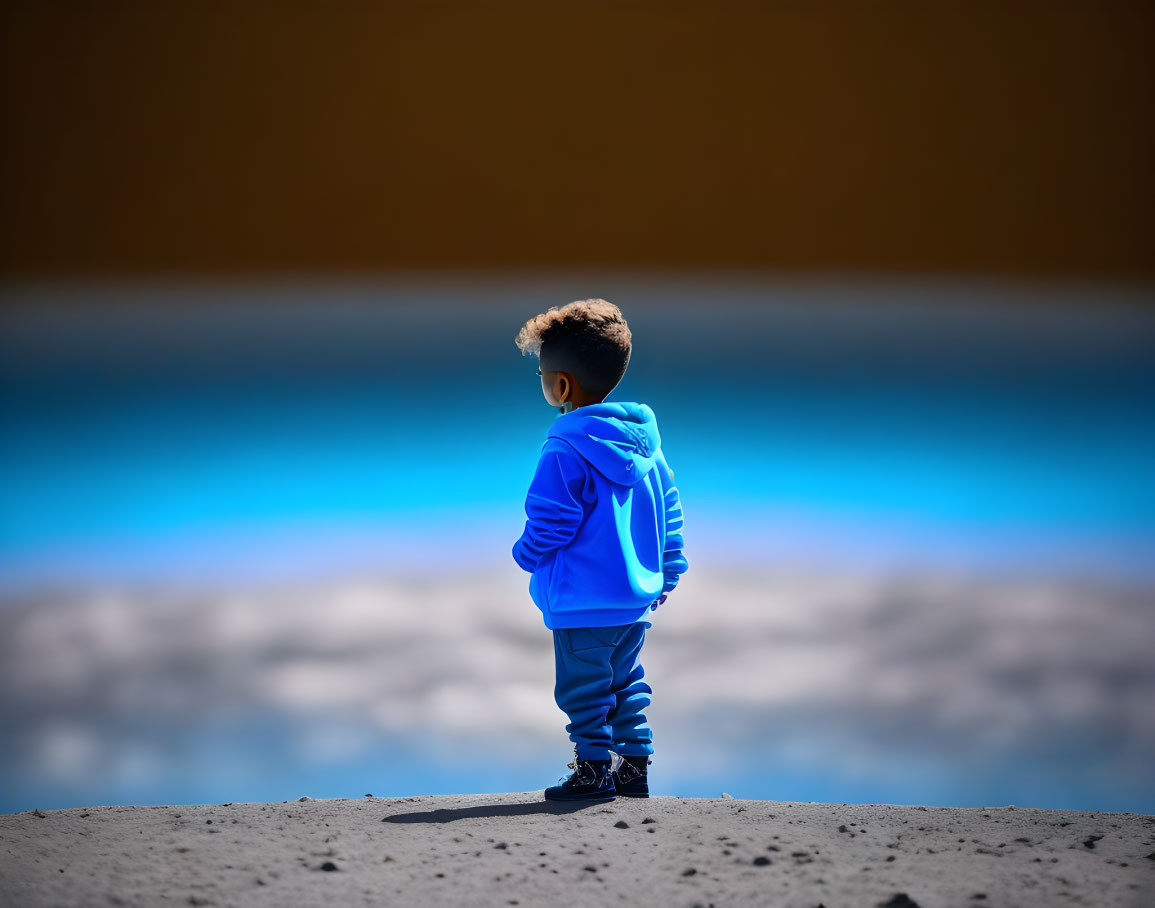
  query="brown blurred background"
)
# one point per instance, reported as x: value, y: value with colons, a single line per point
x: 1007, y: 138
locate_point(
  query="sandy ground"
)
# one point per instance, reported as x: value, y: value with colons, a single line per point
x: 517, y: 849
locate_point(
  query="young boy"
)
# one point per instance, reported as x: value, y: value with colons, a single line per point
x: 603, y: 541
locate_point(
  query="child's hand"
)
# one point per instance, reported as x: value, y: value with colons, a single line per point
x: 657, y: 602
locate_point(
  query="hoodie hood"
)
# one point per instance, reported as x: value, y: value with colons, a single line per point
x: 620, y: 440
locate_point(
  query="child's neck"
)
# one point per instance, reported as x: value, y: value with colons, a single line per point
x: 578, y: 401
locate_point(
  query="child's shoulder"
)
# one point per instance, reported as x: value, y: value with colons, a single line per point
x: 555, y: 445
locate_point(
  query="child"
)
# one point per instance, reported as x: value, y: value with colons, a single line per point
x: 603, y: 542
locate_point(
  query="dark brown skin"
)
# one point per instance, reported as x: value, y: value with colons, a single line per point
x: 561, y: 389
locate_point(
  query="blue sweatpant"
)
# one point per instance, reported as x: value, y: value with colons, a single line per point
x: 600, y: 687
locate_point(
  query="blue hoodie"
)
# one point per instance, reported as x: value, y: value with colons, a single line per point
x: 604, y: 534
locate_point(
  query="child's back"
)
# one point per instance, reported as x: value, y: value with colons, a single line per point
x: 603, y: 539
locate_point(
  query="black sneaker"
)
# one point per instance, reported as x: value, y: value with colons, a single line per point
x: 590, y: 781
x: 630, y: 777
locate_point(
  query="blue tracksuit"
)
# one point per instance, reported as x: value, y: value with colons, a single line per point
x: 603, y: 540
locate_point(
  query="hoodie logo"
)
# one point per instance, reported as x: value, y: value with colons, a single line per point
x: 647, y: 583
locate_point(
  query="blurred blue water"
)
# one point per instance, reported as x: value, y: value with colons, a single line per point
x: 124, y: 428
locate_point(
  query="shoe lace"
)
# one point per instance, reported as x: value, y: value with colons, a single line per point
x: 583, y: 772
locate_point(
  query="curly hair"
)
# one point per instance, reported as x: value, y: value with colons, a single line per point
x: 588, y: 338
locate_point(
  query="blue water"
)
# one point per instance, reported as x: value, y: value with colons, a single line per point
x: 117, y: 441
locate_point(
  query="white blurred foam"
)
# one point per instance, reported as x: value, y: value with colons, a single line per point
x: 797, y: 665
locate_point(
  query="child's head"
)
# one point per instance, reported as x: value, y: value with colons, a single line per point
x: 583, y: 348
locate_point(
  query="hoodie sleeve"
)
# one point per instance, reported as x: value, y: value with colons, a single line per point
x: 554, y: 507
x: 674, y: 563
